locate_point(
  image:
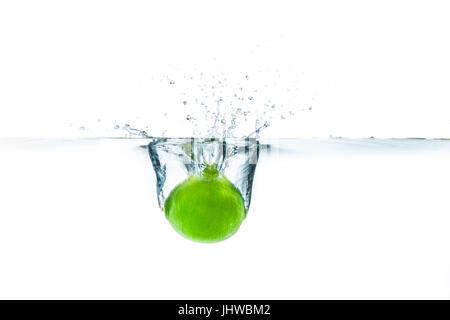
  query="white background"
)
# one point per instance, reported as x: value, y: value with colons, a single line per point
x: 374, y: 68
x: 80, y: 219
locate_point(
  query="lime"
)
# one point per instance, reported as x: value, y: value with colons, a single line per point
x: 207, y: 208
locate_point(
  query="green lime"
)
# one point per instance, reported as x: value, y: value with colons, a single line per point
x: 207, y: 208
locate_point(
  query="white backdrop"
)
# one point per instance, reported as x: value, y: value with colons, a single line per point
x: 373, y: 68
x: 79, y: 219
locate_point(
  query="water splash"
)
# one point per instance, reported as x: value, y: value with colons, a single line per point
x: 176, y: 159
x: 214, y: 104
x: 235, y: 106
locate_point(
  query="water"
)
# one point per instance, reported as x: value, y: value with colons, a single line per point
x: 339, y: 218
x: 174, y: 160
x: 339, y: 146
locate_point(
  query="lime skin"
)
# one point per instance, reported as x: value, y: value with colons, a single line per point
x: 205, y: 209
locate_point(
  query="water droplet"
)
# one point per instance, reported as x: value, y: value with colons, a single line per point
x: 185, y: 102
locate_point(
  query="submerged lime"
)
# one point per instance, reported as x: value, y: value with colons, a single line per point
x: 207, y: 208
